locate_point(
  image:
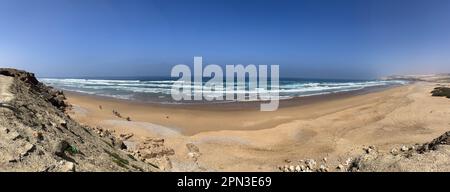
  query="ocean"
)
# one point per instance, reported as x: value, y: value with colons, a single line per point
x: 158, y: 89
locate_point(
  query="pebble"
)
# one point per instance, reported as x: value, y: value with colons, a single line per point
x: 323, y: 168
x: 60, y: 147
x: 404, y: 148
x: 369, y: 149
x: 310, y: 163
x: 394, y: 151
x: 291, y: 168
x: 67, y: 166
x: 302, y: 167
x: 38, y: 136
x: 349, y: 160
x: 63, y: 123
x: 13, y: 135
x: 26, y: 149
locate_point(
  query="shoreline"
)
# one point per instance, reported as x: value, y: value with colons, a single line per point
x: 241, y: 105
x: 190, y: 120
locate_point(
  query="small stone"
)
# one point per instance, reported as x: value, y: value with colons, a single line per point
x: 192, y: 148
x: 63, y: 123
x: 298, y: 168
x: 291, y: 168
x: 280, y: 168
x: 119, y: 144
x: 193, y: 155
x: 348, y: 161
x: 340, y: 167
x: 287, y: 161
x: 38, y: 135
x: 9, y: 158
x: 310, y: 163
x: 323, y: 168
x: 13, y: 135
x: 28, y: 147
x: 369, y: 149
x: 325, y: 159
x: 4, y: 129
x: 302, y: 168
x: 126, y: 136
x: 404, y: 148
x: 67, y: 167
x: 307, y: 170
x: 394, y: 151
x: 60, y: 147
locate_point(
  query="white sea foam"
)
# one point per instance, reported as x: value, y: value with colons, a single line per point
x: 161, y: 89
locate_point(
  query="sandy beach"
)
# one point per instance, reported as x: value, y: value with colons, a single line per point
x: 245, y: 139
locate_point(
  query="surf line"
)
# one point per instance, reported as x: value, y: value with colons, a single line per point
x: 235, y: 87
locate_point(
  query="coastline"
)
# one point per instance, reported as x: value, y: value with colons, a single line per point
x: 178, y: 116
x: 239, y: 105
x: 386, y: 126
x: 246, y: 140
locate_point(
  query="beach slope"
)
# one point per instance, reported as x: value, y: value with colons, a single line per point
x: 333, y: 130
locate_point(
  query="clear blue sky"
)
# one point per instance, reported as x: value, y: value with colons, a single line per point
x: 317, y: 38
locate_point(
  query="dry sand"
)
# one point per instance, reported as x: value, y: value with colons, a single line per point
x: 245, y: 139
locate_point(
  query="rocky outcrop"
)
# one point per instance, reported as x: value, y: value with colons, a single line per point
x: 55, y: 97
x: 307, y: 165
x: 37, y: 135
x: 433, y: 156
x: 444, y: 139
x: 153, y: 151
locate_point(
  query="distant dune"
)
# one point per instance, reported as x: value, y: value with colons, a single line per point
x: 438, y: 78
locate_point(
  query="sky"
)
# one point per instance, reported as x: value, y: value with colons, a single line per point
x: 344, y: 39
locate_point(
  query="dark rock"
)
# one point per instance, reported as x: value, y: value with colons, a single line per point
x: 21, y: 75
x: 55, y: 97
x: 441, y: 92
x: 444, y: 139
x: 119, y: 144
x: 192, y: 148
x: 60, y: 147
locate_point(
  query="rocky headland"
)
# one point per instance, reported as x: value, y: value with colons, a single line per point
x: 36, y: 133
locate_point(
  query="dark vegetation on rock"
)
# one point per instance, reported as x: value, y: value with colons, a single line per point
x: 441, y: 92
